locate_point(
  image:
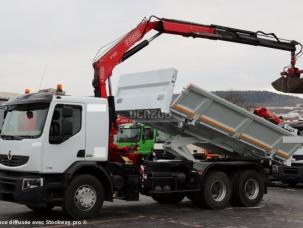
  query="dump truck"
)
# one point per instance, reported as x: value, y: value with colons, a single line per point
x: 52, y: 155
x: 58, y: 150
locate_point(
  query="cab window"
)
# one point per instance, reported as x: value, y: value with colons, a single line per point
x: 148, y: 134
x: 66, y: 122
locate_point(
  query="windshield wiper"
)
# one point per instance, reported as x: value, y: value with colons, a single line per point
x: 10, y: 137
x: 27, y: 136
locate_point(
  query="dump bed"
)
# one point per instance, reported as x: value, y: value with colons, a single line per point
x: 214, y: 122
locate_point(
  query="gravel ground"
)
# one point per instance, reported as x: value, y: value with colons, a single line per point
x: 281, y: 207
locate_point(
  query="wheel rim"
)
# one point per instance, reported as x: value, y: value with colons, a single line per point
x: 251, y: 189
x: 85, y: 197
x: 218, y: 190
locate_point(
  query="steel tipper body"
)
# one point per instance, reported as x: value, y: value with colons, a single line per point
x: 230, y: 128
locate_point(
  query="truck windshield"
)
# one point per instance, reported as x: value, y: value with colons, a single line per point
x: 24, y: 121
x: 128, y: 135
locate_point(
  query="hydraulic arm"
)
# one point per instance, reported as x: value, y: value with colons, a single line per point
x: 124, y: 48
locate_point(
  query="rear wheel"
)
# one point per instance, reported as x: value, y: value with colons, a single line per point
x: 248, y: 188
x: 84, y: 197
x: 215, y: 192
x: 168, y: 198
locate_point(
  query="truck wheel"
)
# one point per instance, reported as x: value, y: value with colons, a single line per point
x: 248, y: 188
x: 41, y: 209
x: 83, y: 197
x: 168, y: 198
x: 215, y: 192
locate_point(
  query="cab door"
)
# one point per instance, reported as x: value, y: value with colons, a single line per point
x: 147, y: 140
x: 66, y: 137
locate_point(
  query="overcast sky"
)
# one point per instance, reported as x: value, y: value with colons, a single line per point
x: 58, y: 39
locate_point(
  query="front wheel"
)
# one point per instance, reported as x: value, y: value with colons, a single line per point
x: 215, y: 192
x: 83, y: 197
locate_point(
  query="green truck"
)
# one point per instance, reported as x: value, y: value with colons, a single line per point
x: 143, y: 136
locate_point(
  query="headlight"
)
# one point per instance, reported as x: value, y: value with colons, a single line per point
x: 30, y: 183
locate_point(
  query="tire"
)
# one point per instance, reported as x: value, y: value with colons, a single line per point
x: 168, y: 198
x: 216, y: 191
x: 81, y: 186
x: 41, y: 209
x: 248, y: 188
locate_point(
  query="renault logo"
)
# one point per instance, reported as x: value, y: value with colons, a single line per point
x: 9, y: 155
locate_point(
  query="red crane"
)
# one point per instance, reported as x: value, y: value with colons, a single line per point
x: 103, y: 67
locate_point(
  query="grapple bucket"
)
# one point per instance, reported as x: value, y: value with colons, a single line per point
x: 288, y: 84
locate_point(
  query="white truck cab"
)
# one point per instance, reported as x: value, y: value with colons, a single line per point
x: 46, y: 133
x: 43, y: 137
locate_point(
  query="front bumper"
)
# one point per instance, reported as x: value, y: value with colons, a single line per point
x: 12, y: 189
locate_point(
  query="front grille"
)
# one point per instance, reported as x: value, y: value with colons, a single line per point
x: 16, y: 160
